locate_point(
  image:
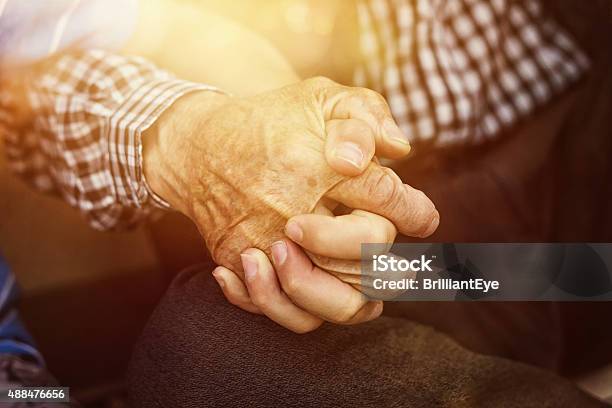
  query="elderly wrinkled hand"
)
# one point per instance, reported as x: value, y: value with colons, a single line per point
x: 241, y: 167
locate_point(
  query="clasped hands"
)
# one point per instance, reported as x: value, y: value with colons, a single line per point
x: 263, y: 178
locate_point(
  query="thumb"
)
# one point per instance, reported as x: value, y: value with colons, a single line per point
x: 349, y: 145
x: 370, y: 107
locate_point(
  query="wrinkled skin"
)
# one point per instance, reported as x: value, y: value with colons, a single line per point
x: 241, y: 169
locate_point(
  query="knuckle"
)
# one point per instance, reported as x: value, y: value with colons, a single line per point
x: 320, y: 81
x: 384, y: 190
x: 291, y: 284
x: 378, y: 234
x: 260, y: 300
x: 373, y: 96
x: 376, y: 103
x: 345, y: 314
x: 354, y: 101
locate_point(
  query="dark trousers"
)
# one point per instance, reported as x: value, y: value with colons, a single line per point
x: 200, y: 351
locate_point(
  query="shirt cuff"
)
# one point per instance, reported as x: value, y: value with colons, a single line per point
x: 134, y: 116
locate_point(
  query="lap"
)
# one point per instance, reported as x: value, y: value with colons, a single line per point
x: 197, y: 350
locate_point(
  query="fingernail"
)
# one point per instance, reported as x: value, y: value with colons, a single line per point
x: 217, y: 275
x: 249, y: 264
x: 351, y: 153
x: 294, y: 231
x: 279, y: 252
x: 433, y: 226
x: 393, y: 132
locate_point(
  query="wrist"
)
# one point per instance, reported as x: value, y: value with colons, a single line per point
x: 167, y: 143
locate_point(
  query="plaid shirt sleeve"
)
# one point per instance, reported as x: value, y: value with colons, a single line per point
x: 464, y: 71
x: 89, y: 110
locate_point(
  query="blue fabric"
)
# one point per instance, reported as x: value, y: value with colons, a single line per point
x: 29, y: 29
x: 14, y: 338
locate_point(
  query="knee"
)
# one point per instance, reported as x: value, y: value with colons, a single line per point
x: 194, y: 340
x: 199, y: 350
x: 183, y: 326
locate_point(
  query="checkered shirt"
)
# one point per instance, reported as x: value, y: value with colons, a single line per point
x: 454, y: 72
x: 84, y: 142
x: 464, y: 71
